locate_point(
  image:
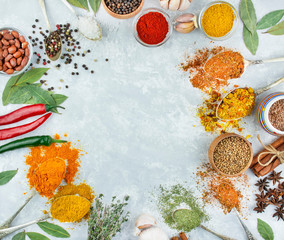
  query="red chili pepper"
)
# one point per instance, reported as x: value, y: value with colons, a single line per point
x: 25, y: 112
x: 20, y: 130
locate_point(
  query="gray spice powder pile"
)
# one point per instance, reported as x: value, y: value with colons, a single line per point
x: 231, y: 155
x: 276, y: 115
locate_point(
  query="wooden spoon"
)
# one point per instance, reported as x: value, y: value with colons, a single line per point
x: 246, y: 63
x: 73, y: 199
x: 52, y: 33
x: 256, y: 93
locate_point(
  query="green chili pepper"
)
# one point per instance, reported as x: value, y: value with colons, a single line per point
x: 30, y: 142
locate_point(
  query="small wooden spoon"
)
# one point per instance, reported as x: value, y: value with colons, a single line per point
x: 246, y: 63
x: 74, y: 198
x: 52, y: 33
x: 256, y: 93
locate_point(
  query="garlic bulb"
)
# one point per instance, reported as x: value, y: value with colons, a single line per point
x: 144, y: 221
x: 186, y: 23
x: 153, y: 233
x: 175, y: 5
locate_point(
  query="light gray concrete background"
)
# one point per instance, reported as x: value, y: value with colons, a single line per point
x: 134, y: 117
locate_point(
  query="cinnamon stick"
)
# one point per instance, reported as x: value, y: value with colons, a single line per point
x: 182, y: 236
x: 259, y: 167
x: 279, y: 141
x: 270, y: 167
x: 175, y: 238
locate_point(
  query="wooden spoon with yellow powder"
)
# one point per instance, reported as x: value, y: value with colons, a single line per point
x: 69, y: 208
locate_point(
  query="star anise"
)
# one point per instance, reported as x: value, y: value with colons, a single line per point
x: 281, y: 187
x: 274, y: 201
x: 262, y: 197
x: 260, y: 207
x: 279, y: 213
x: 262, y: 184
x: 275, y: 177
x: 273, y: 192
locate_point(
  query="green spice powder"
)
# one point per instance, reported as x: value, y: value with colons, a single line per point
x: 175, y: 197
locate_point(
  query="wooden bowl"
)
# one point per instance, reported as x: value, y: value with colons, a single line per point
x: 215, y: 143
x: 125, y: 16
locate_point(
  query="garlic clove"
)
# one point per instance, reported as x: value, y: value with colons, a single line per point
x: 144, y: 221
x: 174, y: 5
x: 184, y: 4
x: 185, y: 27
x: 187, y: 17
x: 153, y: 233
x: 164, y: 4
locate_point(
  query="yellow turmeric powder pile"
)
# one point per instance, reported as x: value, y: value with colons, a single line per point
x: 39, y: 156
x: 82, y: 190
x: 237, y: 104
x: 70, y: 208
x: 218, y: 20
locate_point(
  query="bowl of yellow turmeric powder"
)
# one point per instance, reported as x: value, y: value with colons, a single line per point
x: 218, y: 20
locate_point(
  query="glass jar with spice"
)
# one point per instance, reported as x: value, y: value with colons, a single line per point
x: 218, y: 20
x: 152, y: 28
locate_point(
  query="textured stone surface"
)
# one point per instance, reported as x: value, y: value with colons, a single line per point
x: 134, y: 116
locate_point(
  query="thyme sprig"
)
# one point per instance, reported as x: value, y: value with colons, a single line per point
x: 106, y: 220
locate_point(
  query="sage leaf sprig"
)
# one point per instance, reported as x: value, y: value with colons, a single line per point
x: 79, y: 3
x: 36, y: 236
x: 53, y: 230
x: 23, y: 89
x: 95, y: 4
x: 277, y: 29
x: 270, y: 19
x: 264, y: 230
x: 20, y: 236
x: 106, y: 220
x: 6, y: 176
x: 248, y: 16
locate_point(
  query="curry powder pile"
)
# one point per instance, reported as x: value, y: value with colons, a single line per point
x: 40, y: 156
x: 218, y: 20
x: 221, y: 189
x: 82, y: 190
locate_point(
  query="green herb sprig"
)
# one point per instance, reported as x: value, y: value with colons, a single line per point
x: 6, y: 176
x: 95, y: 4
x: 264, y: 230
x: 270, y: 20
x: 106, y: 220
x: 49, y: 228
x: 23, y: 89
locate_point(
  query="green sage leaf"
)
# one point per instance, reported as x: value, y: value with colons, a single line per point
x: 8, y: 91
x: 53, y: 230
x: 59, y: 98
x: 277, y: 29
x: 95, y: 5
x: 31, y: 76
x: 36, y: 236
x: 20, y: 95
x: 20, y: 236
x: 79, y: 3
x: 6, y: 176
x: 248, y: 15
x: 251, y: 40
x: 39, y: 95
x: 270, y: 19
x: 264, y: 230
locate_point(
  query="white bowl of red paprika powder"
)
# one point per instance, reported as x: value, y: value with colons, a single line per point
x: 152, y: 28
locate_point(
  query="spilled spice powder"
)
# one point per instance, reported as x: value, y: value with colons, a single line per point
x: 221, y: 189
x: 39, y: 155
x: 216, y: 66
x: 208, y: 119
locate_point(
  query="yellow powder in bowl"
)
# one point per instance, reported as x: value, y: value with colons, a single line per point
x: 218, y: 20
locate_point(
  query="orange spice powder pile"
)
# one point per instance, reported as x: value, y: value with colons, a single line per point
x: 221, y: 190
x: 43, y: 155
x: 223, y: 67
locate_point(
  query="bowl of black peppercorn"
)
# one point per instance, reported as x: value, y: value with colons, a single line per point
x: 123, y: 9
